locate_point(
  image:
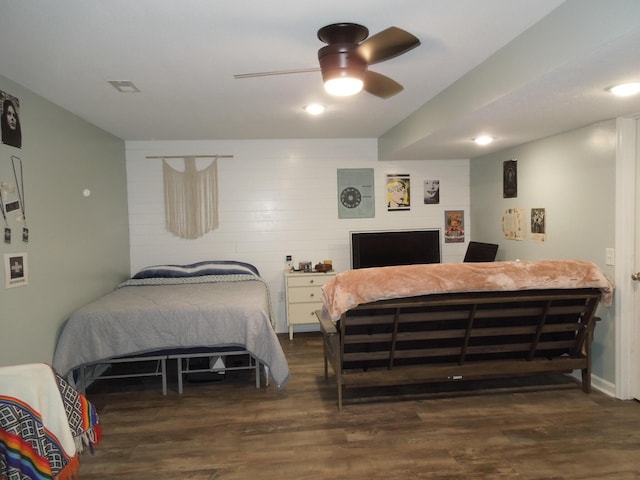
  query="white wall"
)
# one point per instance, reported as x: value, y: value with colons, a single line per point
x: 279, y: 197
x: 572, y: 176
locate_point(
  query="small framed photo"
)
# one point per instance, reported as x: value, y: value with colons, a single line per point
x: 16, y: 272
x: 304, y: 266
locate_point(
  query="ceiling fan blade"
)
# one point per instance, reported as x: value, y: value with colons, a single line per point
x: 380, y: 85
x: 385, y: 45
x: 275, y: 72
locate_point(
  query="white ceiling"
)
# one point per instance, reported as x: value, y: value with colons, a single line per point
x: 182, y: 55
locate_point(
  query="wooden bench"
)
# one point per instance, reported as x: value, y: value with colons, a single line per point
x: 461, y: 336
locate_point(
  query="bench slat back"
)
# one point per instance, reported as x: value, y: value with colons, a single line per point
x: 461, y: 328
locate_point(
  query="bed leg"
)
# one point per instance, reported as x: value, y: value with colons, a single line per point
x: 257, y: 372
x: 82, y: 383
x: 179, y: 365
x: 266, y: 376
x: 163, y: 363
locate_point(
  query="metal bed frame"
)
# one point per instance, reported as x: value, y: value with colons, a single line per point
x: 85, y: 378
x: 184, y: 367
x: 183, y: 363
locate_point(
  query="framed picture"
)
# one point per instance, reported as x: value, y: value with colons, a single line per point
x: 398, y: 192
x: 454, y: 226
x: 513, y: 224
x: 304, y: 266
x: 510, y: 179
x: 355, y: 193
x: 538, y: 225
x: 10, y: 120
x: 431, y: 192
x: 16, y: 272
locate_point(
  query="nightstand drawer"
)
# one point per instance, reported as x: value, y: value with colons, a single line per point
x: 303, y: 312
x: 308, y: 280
x: 305, y: 294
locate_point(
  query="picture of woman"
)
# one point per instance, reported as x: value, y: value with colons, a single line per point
x: 431, y: 191
x: 398, y: 193
x: 10, y: 124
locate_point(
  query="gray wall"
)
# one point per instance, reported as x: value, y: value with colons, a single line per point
x: 79, y: 246
x: 572, y: 176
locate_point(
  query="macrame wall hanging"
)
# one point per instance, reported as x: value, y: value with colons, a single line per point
x: 191, y: 197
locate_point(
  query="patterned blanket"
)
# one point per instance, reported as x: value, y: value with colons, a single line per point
x: 44, y: 424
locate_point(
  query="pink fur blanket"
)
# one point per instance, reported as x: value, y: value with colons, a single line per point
x: 354, y: 287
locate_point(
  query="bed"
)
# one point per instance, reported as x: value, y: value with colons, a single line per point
x: 467, y: 321
x: 167, y: 313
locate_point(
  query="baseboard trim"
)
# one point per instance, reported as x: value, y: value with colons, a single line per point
x: 598, y: 383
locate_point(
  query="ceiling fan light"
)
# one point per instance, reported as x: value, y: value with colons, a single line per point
x: 626, y: 89
x: 343, y: 86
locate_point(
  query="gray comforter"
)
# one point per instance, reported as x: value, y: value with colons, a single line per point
x: 139, y: 318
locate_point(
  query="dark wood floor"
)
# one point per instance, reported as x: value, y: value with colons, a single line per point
x: 229, y: 430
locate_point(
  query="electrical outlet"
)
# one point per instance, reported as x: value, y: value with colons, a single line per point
x: 610, y: 256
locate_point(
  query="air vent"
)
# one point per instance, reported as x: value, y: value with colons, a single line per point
x: 124, y: 86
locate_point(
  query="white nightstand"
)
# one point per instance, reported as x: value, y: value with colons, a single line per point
x: 303, y: 294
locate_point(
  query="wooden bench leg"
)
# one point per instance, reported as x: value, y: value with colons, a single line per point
x: 326, y: 362
x: 586, y: 380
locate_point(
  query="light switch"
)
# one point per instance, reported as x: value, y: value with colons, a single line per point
x: 610, y: 254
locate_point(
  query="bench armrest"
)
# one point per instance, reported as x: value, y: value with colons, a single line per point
x: 326, y: 324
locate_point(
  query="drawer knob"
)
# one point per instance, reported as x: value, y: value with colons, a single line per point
x: 311, y: 281
x: 312, y: 295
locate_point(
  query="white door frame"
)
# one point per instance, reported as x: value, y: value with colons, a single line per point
x: 626, y: 309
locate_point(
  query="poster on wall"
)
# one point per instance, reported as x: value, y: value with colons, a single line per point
x: 10, y: 124
x: 538, y: 225
x: 510, y: 179
x: 398, y: 192
x: 355, y: 193
x: 431, y: 192
x: 453, y: 226
x: 513, y: 227
x: 15, y: 270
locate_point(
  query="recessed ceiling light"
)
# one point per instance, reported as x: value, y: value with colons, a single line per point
x: 626, y: 89
x: 483, y: 140
x: 124, y: 86
x: 314, y: 108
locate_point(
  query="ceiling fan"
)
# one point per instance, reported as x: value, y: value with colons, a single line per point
x: 344, y: 61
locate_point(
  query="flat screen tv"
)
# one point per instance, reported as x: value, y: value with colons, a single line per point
x: 394, y: 247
